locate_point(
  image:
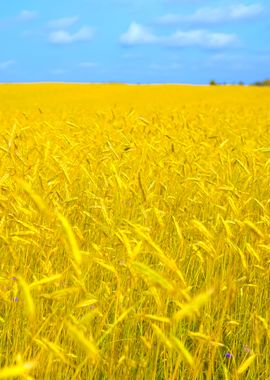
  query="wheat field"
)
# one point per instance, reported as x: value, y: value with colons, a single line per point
x: 134, y: 232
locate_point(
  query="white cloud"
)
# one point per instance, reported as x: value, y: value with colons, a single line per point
x: 6, y: 64
x: 214, y: 15
x: 62, y: 23
x: 137, y: 35
x: 87, y: 65
x: 27, y: 15
x: 201, y: 38
x: 64, y: 37
x: 242, y: 11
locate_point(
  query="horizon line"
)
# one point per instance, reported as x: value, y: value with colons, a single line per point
x: 129, y: 83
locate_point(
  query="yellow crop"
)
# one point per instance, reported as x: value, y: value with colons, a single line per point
x: 134, y: 232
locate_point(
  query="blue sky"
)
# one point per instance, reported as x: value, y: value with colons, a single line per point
x: 134, y: 41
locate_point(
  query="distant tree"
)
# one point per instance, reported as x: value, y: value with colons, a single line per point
x: 212, y: 82
x: 241, y: 83
x: 265, y: 82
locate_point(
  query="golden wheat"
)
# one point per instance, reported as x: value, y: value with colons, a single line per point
x: 134, y: 232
